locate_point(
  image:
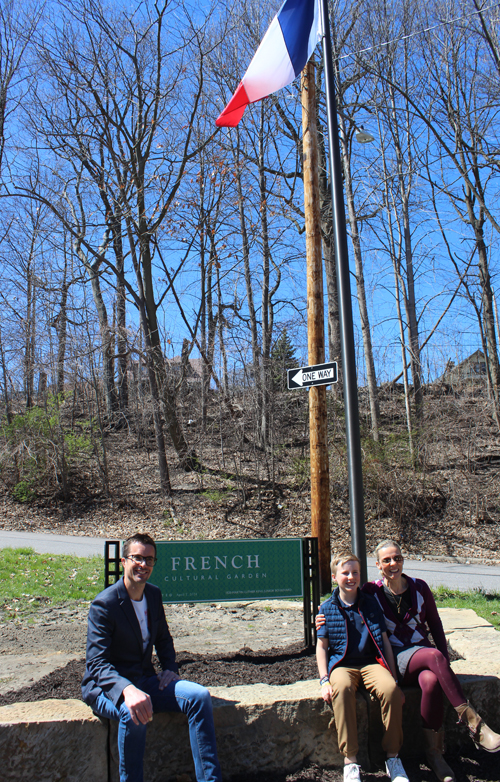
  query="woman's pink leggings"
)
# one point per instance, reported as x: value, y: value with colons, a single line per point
x: 432, y: 671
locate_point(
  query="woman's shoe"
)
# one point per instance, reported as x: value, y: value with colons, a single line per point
x: 482, y: 736
x: 434, y: 745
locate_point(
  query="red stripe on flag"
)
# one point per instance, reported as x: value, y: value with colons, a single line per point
x: 234, y: 109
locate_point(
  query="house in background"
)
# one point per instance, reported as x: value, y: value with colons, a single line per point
x: 193, y: 368
x: 472, y: 368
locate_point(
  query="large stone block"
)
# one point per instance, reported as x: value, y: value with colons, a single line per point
x: 52, y: 741
x: 259, y: 728
x: 264, y: 727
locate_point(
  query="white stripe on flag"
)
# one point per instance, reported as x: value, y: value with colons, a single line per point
x: 270, y: 69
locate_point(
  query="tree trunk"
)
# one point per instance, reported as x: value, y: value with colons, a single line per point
x: 5, y: 382
x: 30, y: 325
x: 29, y: 340
x: 222, y: 344
x: 106, y: 343
x: 61, y: 331
x: 248, y: 282
x: 491, y: 355
x: 360, y: 288
x: 155, y: 396
x: 405, y: 180
x: 187, y: 457
x: 107, y: 346
x: 266, y: 299
x: 411, y: 315
x: 205, y: 376
x: 121, y: 316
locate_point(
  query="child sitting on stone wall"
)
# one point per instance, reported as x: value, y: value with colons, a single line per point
x: 353, y: 648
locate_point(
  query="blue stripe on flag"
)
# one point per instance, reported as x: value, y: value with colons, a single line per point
x: 296, y: 18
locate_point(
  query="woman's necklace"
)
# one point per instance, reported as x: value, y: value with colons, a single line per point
x: 397, y: 595
x: 398, y: 604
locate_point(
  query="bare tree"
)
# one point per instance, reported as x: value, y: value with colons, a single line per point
x: 466, y: 117
x: 18, y: 21
x: 113, y: 106
x: 399, y: 137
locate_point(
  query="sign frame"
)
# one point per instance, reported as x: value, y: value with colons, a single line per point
x: 321, y: 375
x: 309, y: 575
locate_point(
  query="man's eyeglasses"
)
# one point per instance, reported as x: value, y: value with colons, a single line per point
x: 388, y: 560
x: 148, y: 561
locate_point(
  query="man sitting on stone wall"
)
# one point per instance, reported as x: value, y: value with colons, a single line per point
x: 125, y: 621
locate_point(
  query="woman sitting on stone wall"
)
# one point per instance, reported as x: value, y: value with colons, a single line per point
x: 411, y: 614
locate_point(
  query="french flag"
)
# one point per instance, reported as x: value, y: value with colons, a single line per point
x: 286, y: 47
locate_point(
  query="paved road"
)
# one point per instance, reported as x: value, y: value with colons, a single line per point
x: 451, y: 574
x: 45, y: 543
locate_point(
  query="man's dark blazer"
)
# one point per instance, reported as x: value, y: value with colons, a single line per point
x: 114, y: 643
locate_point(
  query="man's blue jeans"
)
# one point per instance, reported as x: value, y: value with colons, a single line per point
x: 193, y: 700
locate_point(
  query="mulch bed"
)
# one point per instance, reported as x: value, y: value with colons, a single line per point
x: 469, y: 766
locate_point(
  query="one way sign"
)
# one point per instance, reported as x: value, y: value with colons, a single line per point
x: 318, y: 375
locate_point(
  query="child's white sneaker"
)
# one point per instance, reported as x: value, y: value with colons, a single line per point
x: 395, y: 769
x: 351, y: 773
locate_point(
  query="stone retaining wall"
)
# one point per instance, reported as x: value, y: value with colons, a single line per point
x: 52, y: 741
x: 260, y: 728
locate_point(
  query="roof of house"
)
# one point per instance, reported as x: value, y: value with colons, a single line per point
x: 471, y: 367
x: 194, y: 368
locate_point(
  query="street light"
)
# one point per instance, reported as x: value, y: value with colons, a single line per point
x: 362, y: 135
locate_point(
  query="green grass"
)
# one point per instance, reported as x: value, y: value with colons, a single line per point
x: 484, y: 604
x: 29, y: 581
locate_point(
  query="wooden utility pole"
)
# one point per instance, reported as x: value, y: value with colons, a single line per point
x: 318, y: 434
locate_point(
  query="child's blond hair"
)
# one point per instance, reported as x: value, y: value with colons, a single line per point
x: 341, y: 559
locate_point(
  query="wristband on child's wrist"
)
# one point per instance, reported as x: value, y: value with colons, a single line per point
x: 324, y: 680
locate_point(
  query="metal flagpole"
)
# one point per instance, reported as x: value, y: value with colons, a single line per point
x: 354, y: 469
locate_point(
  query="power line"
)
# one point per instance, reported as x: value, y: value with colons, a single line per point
x: 419, y: 32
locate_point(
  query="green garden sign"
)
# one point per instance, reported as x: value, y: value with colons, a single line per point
x: 200, y: 571
x: 209, y: 571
